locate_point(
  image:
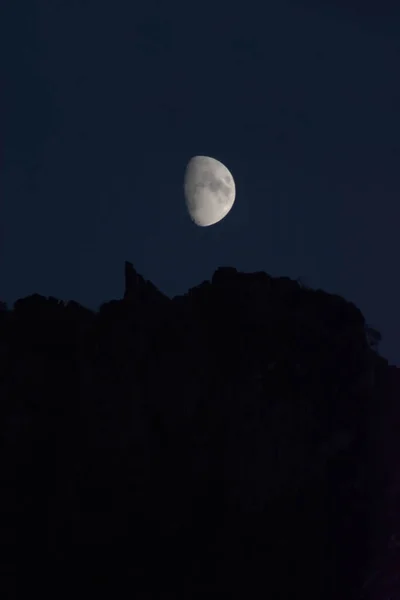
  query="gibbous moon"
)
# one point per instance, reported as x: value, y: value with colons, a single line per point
x: 209, y: 190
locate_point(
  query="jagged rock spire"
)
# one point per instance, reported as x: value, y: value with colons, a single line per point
x: 139, y: 290
x: 132, y: 280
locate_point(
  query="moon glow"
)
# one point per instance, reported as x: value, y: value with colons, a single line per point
x: 209, y: 190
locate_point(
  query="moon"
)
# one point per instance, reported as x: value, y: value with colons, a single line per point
x: 209, y: 190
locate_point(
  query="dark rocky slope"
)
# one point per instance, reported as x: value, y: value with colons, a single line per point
x: 239, y: 440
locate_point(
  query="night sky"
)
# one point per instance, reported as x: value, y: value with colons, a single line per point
x: 104, y: 102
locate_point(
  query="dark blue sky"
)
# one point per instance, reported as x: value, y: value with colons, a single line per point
x: 104, y: 102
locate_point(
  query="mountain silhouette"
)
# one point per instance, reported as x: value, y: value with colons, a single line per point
x: 238, y: 441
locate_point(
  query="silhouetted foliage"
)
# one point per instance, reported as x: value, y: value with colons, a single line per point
x: 374, y: 337
x: 230, y: 442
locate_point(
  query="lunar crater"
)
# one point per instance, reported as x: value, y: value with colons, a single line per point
x: 209, y: 190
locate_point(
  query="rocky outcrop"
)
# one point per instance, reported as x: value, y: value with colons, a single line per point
x: 213, y: 438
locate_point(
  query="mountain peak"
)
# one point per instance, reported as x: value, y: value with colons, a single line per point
x: 132, y: 280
